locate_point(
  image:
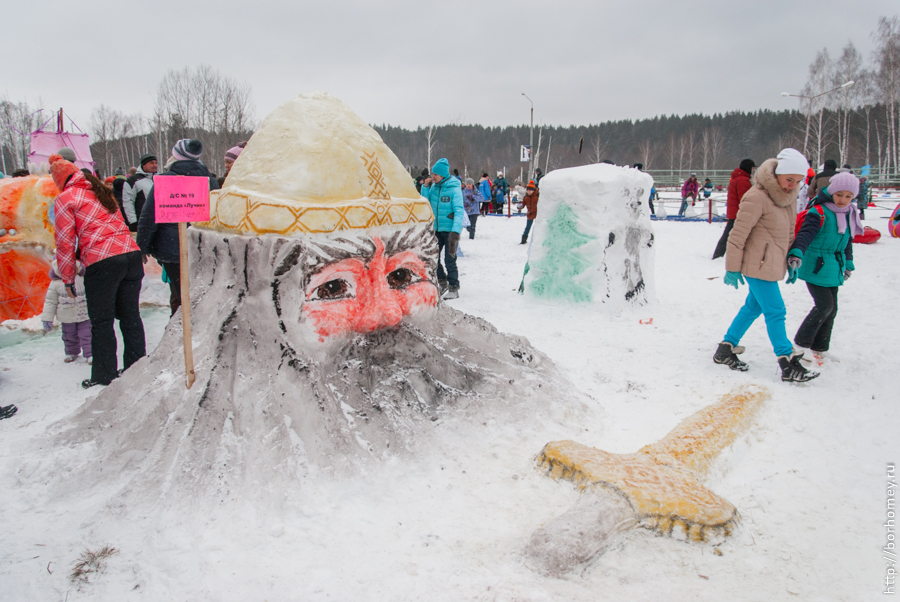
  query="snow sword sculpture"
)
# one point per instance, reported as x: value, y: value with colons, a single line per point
x: 657, y: 488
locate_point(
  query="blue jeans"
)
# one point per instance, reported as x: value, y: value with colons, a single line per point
x: 764, y: 298
x: 452, y: 274
x: 527, y: 228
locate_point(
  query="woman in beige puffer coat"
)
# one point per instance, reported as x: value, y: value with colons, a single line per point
x: 757, y: 249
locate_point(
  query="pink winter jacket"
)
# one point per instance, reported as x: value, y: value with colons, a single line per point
x: 690, y: 187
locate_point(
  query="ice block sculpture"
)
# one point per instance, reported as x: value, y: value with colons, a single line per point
x: 592, y: 240
x: 26, y: 245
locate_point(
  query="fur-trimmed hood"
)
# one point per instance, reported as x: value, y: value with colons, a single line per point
x: 765, y: 178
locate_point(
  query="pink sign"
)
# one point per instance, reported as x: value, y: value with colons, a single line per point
x: 181, y: 199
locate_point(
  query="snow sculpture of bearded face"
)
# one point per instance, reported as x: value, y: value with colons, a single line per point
x: 356, y: 284
x: 319, y: 338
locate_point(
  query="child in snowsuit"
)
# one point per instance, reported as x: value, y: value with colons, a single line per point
x: 822, y: 255
x: 72, y: 313
x: 472, y: 202
x: 499, y: 200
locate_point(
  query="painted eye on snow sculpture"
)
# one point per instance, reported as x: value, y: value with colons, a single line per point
x: 333, y: 289
x: 401, y: 278
x: 331, y: 285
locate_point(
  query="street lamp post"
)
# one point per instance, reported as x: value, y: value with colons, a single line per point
x: 809, y: 108
x: 531, y: 142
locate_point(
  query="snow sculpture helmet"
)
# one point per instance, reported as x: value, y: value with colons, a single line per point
x: 355, y: 247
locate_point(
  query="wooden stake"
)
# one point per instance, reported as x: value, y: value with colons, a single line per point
x: 186, y: 305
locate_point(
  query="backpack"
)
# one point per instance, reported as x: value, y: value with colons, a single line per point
x: 802, y: 216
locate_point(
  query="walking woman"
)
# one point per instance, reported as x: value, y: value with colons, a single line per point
x: 88, y: 219
x: 757, y: 248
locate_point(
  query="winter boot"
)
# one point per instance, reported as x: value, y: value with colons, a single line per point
x: 792, y: 369
x: 524, y: 239
x: 442, y: 286
x: 727, y: 354
x: 453, y: 293
x: 70, y: 358
x: 7, y: 411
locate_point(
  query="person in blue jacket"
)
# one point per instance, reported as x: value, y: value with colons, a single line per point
x: 484, y: 185
x: 444, y: 192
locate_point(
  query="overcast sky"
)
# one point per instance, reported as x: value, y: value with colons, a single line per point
x: 418, y: 63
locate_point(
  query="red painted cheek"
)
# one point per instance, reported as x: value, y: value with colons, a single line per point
x: 418, y: 296
x: 332, y: 318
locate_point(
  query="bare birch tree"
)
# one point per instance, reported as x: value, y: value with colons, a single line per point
x: 887, y: 67
x: 430, y: 141
x: 202, y: 103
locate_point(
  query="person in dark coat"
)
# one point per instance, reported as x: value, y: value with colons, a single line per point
x: 118, y: 184
x: 161, y: 240
x: 737, y: 186
x: 532, y: 195
x: 818, y: 184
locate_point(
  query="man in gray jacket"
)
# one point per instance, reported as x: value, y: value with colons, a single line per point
x: 137, y: 188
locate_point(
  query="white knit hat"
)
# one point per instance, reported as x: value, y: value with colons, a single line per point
x: 791, y: 161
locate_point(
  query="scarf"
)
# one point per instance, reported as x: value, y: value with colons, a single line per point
x: 852, y: 218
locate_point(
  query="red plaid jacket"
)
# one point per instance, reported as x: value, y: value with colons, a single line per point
x: 83, y: 222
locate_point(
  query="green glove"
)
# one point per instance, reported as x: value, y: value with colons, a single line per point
x: 733, y: 278
x: 793, y: 267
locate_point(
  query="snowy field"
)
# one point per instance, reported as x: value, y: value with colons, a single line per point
x: 809, y: 480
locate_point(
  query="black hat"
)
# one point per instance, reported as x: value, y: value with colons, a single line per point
x: 747, y: 165
x: 146, y: 157
x: 830, y: 164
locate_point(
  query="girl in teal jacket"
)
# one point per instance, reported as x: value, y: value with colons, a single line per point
x: 822, y: 255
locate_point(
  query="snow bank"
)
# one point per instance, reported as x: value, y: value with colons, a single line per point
x: 592, y: 238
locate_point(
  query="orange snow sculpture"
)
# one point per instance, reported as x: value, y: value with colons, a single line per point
x: 26, y: 240
x: 657, y: 487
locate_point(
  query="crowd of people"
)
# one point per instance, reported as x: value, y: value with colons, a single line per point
x: 104, y: 233
x: 456, y: 207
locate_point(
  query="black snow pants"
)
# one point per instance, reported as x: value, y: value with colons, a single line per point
x: 815, y: 331
x: 113, y: 290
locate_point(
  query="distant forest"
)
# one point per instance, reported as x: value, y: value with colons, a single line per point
x: 691, y: 142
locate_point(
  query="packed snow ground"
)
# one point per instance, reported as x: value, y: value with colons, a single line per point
x: 809, y: 480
